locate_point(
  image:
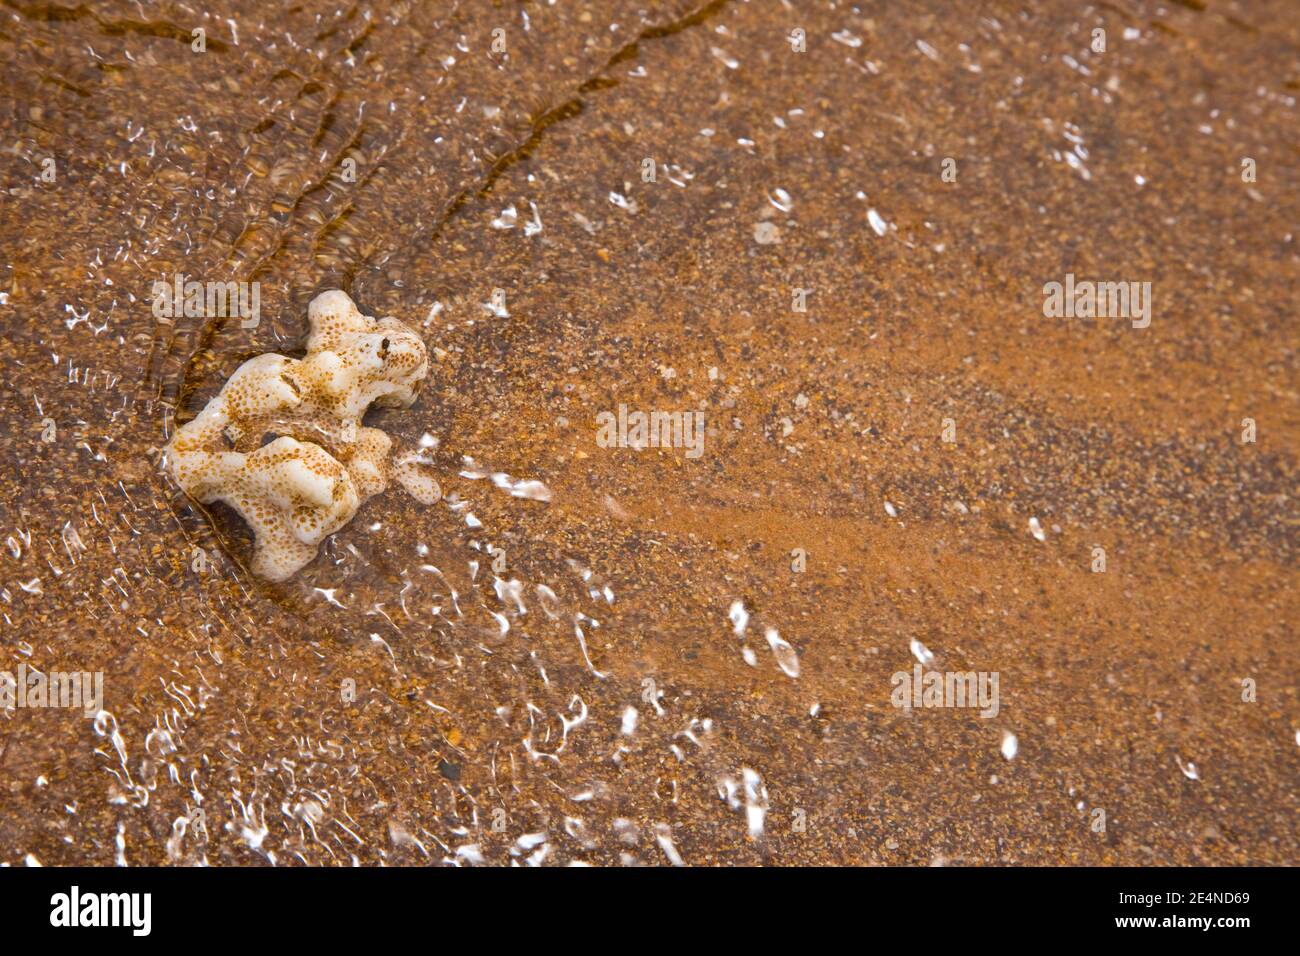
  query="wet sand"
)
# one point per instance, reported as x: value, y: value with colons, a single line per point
x: 373, y: 710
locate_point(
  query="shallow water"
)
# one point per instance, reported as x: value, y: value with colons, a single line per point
x: 665, y: 658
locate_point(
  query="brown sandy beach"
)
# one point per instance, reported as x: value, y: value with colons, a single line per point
x: 904, y: 458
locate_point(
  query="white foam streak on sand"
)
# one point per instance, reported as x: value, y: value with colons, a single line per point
x: 786, y: 657
x: 739, y: 618
x: 530, y: 489
x: 1010, y: 745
